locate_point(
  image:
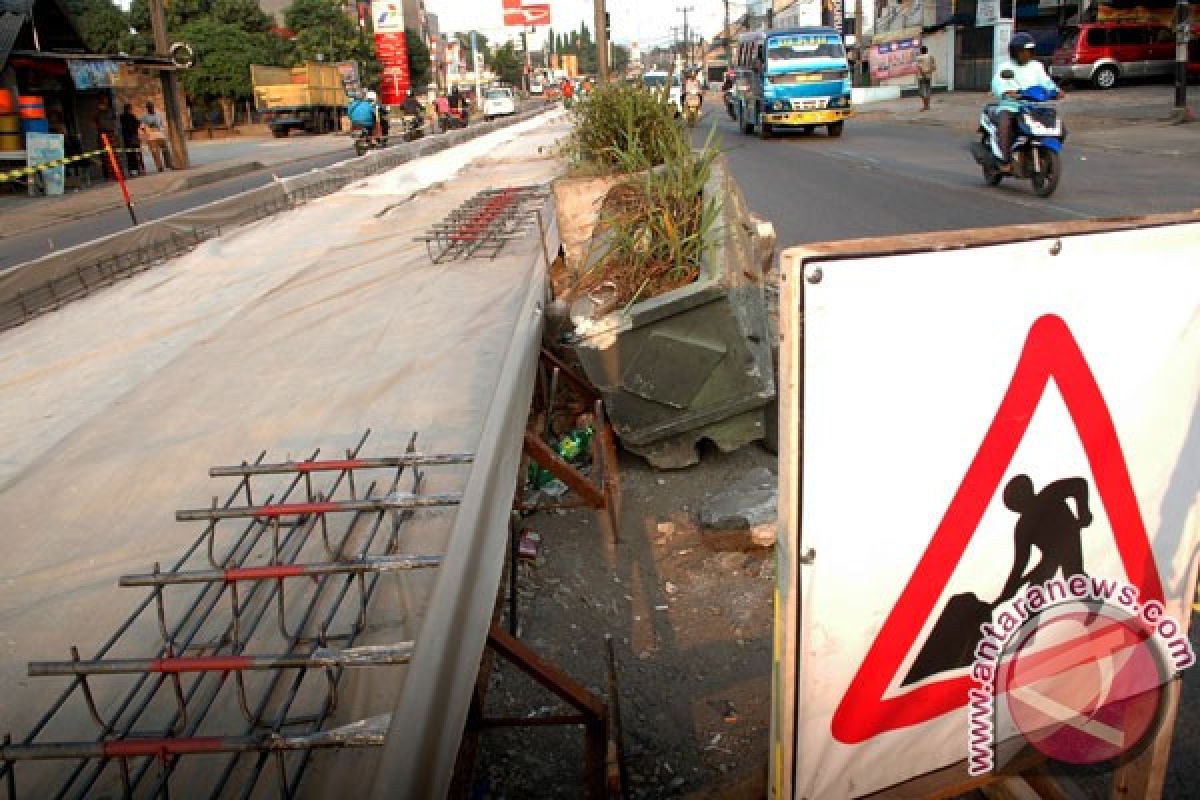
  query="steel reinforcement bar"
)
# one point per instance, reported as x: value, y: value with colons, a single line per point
x: 139, y: 741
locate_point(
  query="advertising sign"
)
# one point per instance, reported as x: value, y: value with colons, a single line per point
x: 348, y: 70
x: 391, y: 48
x: 989, y: 517
x: 894, y: 59
x: 523, y: 14
x: 43, y: 147
x: 92, y: 73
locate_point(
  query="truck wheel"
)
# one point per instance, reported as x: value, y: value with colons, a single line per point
x: 1105, y: 77
x: 279, y: 133
x: 835, y: 128
x: 764, y: 127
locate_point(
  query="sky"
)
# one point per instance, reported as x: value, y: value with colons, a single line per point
x: 647, y: 22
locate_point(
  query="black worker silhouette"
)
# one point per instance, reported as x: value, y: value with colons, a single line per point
x: 1046, y: 522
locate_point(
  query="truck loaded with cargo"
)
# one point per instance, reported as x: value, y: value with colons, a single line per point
x: 308, y: 98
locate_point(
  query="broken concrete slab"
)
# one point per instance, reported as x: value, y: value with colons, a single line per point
x: 750, y: 503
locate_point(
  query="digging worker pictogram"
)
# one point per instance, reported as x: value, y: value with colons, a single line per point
x: 1048, y: 523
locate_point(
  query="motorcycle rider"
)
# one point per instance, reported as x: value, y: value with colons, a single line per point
x: 692, y: 86
x: 413, y: 109
x: 1026, y: 73
x: 361, y: 112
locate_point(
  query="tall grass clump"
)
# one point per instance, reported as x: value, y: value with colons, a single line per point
x: 655, y: 226
x: 622, y: 127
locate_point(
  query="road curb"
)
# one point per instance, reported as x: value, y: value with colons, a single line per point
x: 34, y: 287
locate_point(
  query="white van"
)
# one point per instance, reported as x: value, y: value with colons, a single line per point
x: 656, y: 80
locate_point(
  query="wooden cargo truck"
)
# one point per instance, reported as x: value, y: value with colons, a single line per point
x: 308, y: 98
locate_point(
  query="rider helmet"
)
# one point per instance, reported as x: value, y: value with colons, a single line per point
x: 1020, y: 41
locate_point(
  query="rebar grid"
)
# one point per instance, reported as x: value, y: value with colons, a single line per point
x: 484, y: 224
x: 178, y: 702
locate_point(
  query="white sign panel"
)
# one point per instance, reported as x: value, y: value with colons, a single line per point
x: 41, y: 148
x: 387, y: 17
x: 1002, y: 33
x: 980, y: 425
x: 986, y: 13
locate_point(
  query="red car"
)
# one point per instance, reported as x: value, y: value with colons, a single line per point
x: 1104, y: 53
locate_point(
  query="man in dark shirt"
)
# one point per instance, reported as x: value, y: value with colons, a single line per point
x: 131, y: 137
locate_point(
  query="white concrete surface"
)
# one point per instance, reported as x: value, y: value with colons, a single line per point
x: 301, y: 330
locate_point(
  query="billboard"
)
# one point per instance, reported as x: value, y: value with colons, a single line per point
x: 956, y: 477
x: 524, y: 14
x: 391, y: 49
x: 894, y: 59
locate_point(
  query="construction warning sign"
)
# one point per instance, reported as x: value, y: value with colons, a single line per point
x: 993, y: 536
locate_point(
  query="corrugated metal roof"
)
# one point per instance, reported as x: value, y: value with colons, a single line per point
x: 10, y: 29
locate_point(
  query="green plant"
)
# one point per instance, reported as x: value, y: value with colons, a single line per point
x: 658, y: 226
x: 623, y: 128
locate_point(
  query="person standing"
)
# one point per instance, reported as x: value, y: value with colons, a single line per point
x: 926, y: 66
x: 131, y: 140
x: 155, y: 128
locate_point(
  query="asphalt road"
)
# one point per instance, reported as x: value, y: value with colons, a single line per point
x: 882, y: 178
x: 18, y: 249
x: 885, y: 178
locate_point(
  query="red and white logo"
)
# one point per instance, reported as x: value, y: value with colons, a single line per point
x: 1084, y: 686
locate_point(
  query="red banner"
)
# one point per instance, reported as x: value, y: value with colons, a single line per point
x: 391, y: 49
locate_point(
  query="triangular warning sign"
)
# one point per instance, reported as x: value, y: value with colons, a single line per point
x: 1050, y: 351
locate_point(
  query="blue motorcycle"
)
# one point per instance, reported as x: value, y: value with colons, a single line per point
x: 1036, y: 147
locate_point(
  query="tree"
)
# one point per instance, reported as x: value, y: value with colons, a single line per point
x: 245, y: 14
x: 621, y: 58
x: 322, y: 28
x: 420, y: 67
x: 481, y: 45
x: 221, y: 71
x: 508, y: 64
x: 102, y: 24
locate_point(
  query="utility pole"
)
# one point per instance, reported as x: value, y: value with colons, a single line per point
x: 475, y: 69
x: 858, y: 41
x: 171, y: 93
x: 687, y: 36
x: 728, y: 39
x: 601, y: 42
x: 1182, y: 114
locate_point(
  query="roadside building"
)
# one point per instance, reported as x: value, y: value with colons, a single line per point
x: 64, y: 89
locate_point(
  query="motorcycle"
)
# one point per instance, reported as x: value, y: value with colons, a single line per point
x: 453, y: 120
x: 1037, y: 142
x: 729, y: 109
x: 365, y: 139
x: 691, y: 108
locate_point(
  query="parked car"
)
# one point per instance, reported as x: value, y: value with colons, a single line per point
x: 1104, y: 53
x: 656, y: 80
x: 498, y: 103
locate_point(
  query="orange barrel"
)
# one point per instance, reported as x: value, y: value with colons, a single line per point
x: 10, y: 132
x: 6, y: 102
x: 31, y: 107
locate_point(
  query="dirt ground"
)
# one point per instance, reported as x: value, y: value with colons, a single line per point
x: 690, y: 614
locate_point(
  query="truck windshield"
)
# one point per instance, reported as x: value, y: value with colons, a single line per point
x: 787, y: 51
x: 658, y: 81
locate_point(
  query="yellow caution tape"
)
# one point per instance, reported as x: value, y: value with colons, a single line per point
x: 22, y: 172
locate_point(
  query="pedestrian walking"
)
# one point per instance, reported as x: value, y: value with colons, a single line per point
x: 131, y: 128
x: 155, y: 128
x: 926, y: 66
